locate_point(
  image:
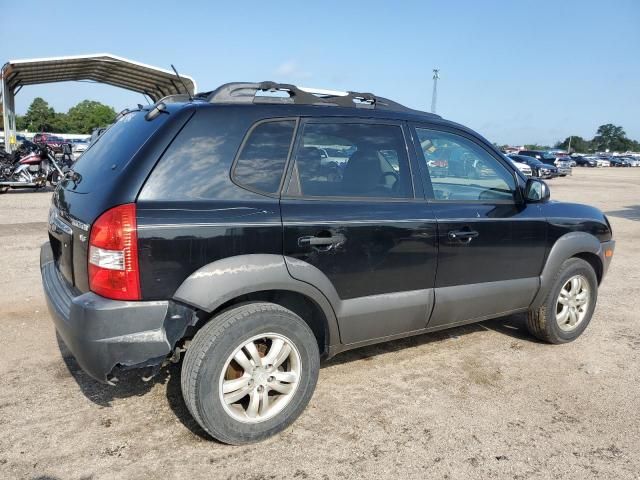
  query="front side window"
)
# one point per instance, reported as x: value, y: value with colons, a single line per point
x: 461, y: 170
x: 261, y: 161
x: 353, y: 160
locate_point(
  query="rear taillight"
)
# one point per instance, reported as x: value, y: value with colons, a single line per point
x: 113, y: 254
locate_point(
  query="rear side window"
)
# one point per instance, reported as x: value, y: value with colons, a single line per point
x: 261, y: 160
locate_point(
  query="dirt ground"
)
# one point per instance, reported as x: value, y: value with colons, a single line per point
x: 482, y: 401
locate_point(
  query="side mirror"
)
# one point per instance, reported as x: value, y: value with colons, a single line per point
x: 536, y: 191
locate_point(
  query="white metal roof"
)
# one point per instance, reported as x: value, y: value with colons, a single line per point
x: 100, y: 68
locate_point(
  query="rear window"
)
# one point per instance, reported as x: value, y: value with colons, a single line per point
x: 114, y: 148
x: 261, y: 161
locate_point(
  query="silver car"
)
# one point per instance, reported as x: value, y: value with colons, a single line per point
x: 564, y: 166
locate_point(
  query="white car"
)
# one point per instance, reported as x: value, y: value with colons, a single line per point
x: 523, y: 167
x: 80, y: 147
x: 633, y: 161
x: 603, y: 163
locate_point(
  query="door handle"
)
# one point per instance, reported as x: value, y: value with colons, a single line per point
x: 314, y: 241
x: 463, y: 236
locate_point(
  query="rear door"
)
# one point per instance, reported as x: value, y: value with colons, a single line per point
x: 491, y: 244
x: 351, y: 217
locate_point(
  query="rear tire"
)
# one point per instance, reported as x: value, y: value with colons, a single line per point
x: 568, y: 306
x: 266, y: 389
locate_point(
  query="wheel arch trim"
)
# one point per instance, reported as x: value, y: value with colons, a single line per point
x: 569, y: 245
x: 218, y: 282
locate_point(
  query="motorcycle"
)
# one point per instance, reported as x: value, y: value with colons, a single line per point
x: 32, y: 167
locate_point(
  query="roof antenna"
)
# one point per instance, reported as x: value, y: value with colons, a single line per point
x: 182, y: 82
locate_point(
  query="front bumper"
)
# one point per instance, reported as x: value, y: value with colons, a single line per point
x: 102, y: 333
x: 606, y: 254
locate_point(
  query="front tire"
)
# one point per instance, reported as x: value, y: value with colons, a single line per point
x: 568, y: 307
x: 250, y: 372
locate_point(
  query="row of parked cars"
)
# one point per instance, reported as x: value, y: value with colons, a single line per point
x: 541, y: 164
x: 606, y: 161
x: 56, y: 142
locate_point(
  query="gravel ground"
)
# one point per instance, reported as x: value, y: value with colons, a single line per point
x: 482, y: 401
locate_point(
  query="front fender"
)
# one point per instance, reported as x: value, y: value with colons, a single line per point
x: 567, y: 246
x: 218, y: 282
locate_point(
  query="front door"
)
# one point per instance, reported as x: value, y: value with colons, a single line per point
x: 352, y: 223
x: 491, y: 244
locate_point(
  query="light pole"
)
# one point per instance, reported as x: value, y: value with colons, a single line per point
x: 434, y: 96
x: 569, y: 149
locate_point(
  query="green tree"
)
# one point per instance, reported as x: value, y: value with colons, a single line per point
x: 60, y: 123
x: 611, y: 137
x: 39, y: 115
x: 87, y: 115
x: 21, y: 122
x: 578, y: 144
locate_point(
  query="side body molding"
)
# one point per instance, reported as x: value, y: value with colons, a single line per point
x: 567, y: 246
x: 218, y: 282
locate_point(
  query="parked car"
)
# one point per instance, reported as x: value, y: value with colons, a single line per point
x: 541, y: 155
x: 208, y: 228
x: 563, y: 164
x: 52, y: 141
x: 602, y: 162
x: 618, y: 162
x: 522, y: 166
x: 79, y: 147
x: 582, y: 161
x: 633, y: 161
x: 538, y: 168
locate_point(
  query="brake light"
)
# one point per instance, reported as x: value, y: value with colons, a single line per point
x: 113, y: 254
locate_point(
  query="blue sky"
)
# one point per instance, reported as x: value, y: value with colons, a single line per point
x: 523, y: 71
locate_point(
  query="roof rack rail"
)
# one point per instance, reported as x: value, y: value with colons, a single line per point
x: 284, y: 93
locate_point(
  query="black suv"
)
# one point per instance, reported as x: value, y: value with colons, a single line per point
x: 538, y: 168
x: 259, y: 228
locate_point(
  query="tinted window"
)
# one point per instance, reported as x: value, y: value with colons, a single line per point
x: 114, y: 148
x: 261, y: 161
x: 462, y: 170
x: 353, y: 160
x: 197, y: 164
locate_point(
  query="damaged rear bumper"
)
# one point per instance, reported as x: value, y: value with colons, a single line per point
x: 102, y: 333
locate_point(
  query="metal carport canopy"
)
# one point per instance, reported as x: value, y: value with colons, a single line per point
x: 100, y: 68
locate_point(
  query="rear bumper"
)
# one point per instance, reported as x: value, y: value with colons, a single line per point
x: 102, y: 333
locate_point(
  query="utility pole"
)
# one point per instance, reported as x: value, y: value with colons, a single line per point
x: 569, y: 149
x: 434, y: 96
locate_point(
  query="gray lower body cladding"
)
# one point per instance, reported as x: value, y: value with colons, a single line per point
x: 102, y: 333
